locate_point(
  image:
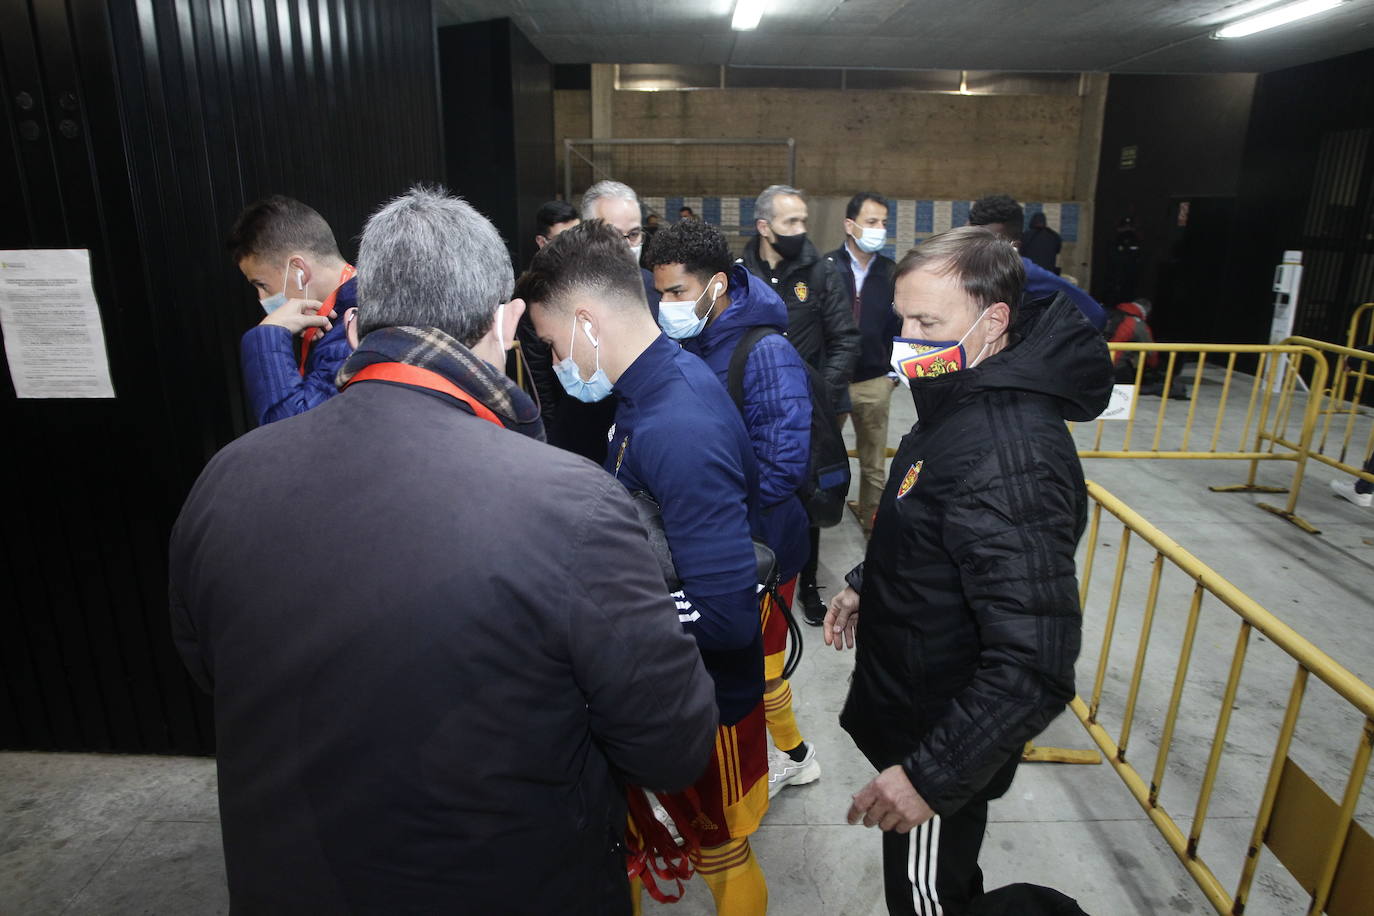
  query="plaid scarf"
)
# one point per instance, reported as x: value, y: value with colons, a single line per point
x: 432, y: 349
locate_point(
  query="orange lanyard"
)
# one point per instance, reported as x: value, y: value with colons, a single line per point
x: 423, y: 378
x: 348, y: 274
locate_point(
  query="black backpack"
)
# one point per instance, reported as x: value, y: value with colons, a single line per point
x: 827, y: 480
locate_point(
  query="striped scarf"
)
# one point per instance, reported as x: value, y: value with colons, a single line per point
x: 432, y: 349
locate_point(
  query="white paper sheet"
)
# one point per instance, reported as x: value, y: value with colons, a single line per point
x: 1119, y: 408
x: 53, y: 337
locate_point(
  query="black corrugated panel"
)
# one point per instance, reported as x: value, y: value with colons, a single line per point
x: 179, y: 115
x: 497, y: 110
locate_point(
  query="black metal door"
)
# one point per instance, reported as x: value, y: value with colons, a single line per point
x: 137, y: 129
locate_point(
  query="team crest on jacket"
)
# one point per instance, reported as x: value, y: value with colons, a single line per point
x: 909, y: 481
x: 802, y: 290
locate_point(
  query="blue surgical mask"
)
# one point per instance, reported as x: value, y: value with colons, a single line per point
x: 596, y: 388
x: 277, y: 300
x: 679, y: 319
x: 871, y: 239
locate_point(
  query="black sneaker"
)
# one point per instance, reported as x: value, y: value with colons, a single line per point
x: 813, y: 608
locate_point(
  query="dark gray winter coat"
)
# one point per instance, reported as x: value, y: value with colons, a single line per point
x: 436, y: 647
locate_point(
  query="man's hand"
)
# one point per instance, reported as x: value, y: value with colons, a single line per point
x: 298, y: 314
x: 841, y: 620
x: 890, y: 802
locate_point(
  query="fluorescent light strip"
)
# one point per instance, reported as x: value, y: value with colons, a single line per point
x: 1274, y: 18
x: 747, y: 15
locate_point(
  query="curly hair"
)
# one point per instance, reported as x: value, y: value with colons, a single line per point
x: 998, y: 208
x: 699, y: 247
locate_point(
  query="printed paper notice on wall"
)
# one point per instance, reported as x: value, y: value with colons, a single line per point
x: 1119, y: 407
x: 54, y: 341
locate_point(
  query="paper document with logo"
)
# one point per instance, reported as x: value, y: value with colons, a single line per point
x: 1121, y: 404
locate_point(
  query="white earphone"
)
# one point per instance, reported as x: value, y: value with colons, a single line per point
x: 300, y: 278
x: 587, y: 330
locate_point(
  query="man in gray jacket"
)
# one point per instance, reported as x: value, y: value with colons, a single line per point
x: 434, y: 670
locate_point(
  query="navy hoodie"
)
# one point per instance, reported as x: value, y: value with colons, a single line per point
x: 777, y: 411
x: 678, y: 437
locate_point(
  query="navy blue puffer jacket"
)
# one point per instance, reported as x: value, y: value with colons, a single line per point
x: 777, y: 410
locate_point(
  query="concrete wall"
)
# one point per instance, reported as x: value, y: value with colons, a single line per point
x: 903, y: 144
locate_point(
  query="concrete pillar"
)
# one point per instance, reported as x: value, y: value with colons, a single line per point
x: 1085, y: 173
x: 603, y: 98
x: 603, y: 105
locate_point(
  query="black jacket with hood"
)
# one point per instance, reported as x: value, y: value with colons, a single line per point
x: 969, y: 617
x: 820, y: 311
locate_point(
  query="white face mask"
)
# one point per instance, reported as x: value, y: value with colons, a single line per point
x: 501, y: 323
x: 635, y: 250
x: 679, y: 320
x: 871, y: 239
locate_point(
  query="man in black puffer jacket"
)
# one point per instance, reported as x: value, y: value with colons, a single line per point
x: 968, y: 592
x: 820, y: 321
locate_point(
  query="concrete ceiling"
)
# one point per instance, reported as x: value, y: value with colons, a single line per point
x: 1121, y: 36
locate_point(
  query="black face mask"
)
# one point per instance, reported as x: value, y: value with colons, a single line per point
x: 789, y: 246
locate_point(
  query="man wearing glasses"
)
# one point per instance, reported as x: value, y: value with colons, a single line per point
x: 576, y: 426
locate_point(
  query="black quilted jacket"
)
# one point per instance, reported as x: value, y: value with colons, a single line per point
x: 820, y: 311
x: 969, y: 620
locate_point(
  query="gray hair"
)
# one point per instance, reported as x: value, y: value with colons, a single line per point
x: 763, y: 205
x: 986, y: 265
x: 605, y: 190
x: 430, y: 260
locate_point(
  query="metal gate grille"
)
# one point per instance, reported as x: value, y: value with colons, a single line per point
x: 1338, y: 235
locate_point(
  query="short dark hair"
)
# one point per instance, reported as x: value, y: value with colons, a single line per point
x: 699, y: 247
x: 856, y: 203
x: 590, y: 257
x: 986, y: 265
x: 998, y: 208
x: 553, y: 213
x: 686, y: 210
x: 277, y: 225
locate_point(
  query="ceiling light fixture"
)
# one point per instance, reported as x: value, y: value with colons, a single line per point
x: 1274, y: 18
x: 747, y: 15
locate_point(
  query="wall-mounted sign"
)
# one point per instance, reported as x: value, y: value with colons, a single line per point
x: 54, y: 341
x: 1128, y: 157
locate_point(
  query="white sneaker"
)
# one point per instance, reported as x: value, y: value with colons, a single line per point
x: 1346, y: 491
x: 784, y: 771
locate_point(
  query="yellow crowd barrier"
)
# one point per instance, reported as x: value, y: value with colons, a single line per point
x: 1314, y: 836
x: 1342, y: 413
x: 1276, y: 410
x: 1361, y: 331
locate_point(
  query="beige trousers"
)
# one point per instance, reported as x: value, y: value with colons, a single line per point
x: 871, y: 400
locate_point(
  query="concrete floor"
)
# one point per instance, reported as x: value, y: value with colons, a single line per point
x: 126, y: 835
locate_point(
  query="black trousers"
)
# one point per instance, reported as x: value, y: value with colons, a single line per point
x: 933, y: 870
x: 813, y: 562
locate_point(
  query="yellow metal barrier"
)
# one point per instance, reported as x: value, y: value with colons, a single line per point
x: 1311, y: 834
x: 1277, y: 411
x: 1350, y: 384
x: 1361, y: 331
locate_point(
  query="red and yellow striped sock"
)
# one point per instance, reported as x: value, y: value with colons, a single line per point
x: 735, y: 878
x: 782, y: 723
